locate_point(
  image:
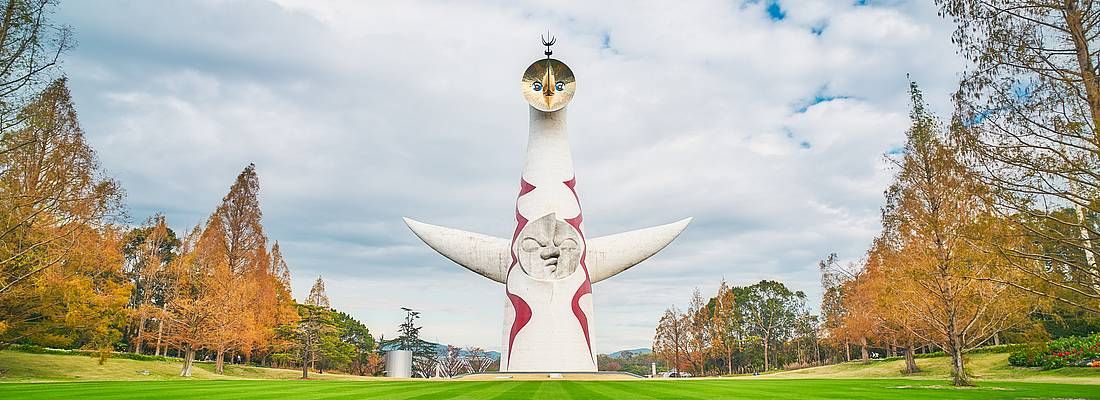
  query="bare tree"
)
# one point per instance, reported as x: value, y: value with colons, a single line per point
x: 30, y: 55
x: 1027, y: 114
x: 478, y: 359
x: 671, y: 337
x: 450, y: 362
x: 317, y: 296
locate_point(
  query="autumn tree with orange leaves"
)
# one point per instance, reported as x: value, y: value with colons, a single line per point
x: 932, y: 265
x: 235, y: 291
x: 61, y: 281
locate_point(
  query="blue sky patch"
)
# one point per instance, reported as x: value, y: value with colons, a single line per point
x: 821, y: 96
x: 775, y: 12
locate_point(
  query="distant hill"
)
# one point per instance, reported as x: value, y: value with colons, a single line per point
x: 619, y: 354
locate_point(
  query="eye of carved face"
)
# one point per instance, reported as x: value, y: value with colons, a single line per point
x: 548, y: 85
x: 548, y: 248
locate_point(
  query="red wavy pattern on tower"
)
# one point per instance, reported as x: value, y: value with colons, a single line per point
x: 524, y: 187
x: 586, y: 287
x: 523, y: 310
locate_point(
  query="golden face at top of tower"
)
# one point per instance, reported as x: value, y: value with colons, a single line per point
x: 548, y: 85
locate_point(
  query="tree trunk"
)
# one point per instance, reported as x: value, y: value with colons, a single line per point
x: 189, y: 356
x: 305, y: 369
x: 958, y: 370
x: 160, y: 334
x: 138, y: 339
x: 848, y: 351
x: 766, y: 355
x: 219, y: 361
x: 910, y: 361
x: 863, y: 349
x: 1076, y: 28
x: 729, y: 362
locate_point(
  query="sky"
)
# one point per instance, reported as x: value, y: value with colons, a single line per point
x: 767, y: 121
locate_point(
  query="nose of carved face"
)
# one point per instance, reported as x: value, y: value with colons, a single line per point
x: 550, y: 251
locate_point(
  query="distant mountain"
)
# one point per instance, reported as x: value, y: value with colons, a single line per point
x: 619, y: 354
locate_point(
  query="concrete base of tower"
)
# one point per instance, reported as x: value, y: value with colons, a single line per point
x: 549, y: 376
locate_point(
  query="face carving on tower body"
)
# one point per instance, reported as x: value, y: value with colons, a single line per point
x: 548, y: 85
x: 548, y: 248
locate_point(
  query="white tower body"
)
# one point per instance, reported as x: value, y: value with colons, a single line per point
x: 549, y: 265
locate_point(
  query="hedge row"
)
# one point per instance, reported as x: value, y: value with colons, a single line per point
x: 26, y: 348
x: 1000, y: 348
x: 1070, y: 351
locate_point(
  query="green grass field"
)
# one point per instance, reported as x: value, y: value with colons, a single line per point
x: 660, y: 389
x: 38, y: 376
x: 26, y: 367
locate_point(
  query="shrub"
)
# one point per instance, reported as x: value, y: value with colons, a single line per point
x: 27, y: 348
x: 1070, y: 351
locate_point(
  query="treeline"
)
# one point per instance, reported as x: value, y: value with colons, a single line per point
x: 61, y: 277
x: 990, y: 223
x: 221, y: 288
x: 73, y: 275
x: 936, y: 273
x: 989, y: 227
x: 740, y: 330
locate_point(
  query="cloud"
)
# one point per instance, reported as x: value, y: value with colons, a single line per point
x: 769, y: 131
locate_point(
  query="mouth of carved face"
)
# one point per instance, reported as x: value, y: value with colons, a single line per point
x: 548, y: 248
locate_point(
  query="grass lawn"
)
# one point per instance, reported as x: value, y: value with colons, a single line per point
x: 981, y: 366
x: 658, y: 389
x: 25, y: 367
x: 43, y: 376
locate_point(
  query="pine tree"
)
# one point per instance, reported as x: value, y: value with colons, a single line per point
x: 317, y: 296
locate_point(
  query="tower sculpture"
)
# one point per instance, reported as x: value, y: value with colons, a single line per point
x: 549, y: 264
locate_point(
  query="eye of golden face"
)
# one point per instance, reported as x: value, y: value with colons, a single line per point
x: 548, y: 85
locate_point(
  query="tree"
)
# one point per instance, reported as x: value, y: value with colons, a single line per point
x: 1027, y: 115
x: 671, y: 337
x: 30, y: 54
x: 315, y: 328
x: 185, y: 315
x: 424, y: 353
x: 246, y: 297
x: 450, y: 361
x: 229, y: 319
x: 726, y: 331
x: 934, y: 214
x: 478, y: 359
x: 698, y: 319
x: 317, y: 296
x: 889, y: 306
x: 769, y: 311
x: 148, y: 250
x: 55, y: 207
x: 837, y: 281
x: 359, y: 340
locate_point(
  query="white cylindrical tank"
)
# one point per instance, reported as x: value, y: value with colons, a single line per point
x: 399, y: 364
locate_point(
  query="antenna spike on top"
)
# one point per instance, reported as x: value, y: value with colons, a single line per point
x: 548, y: 43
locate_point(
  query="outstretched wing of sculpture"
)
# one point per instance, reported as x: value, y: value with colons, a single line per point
x: 485, y: 255
x: 489, y: 256
x: 612, y: 254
